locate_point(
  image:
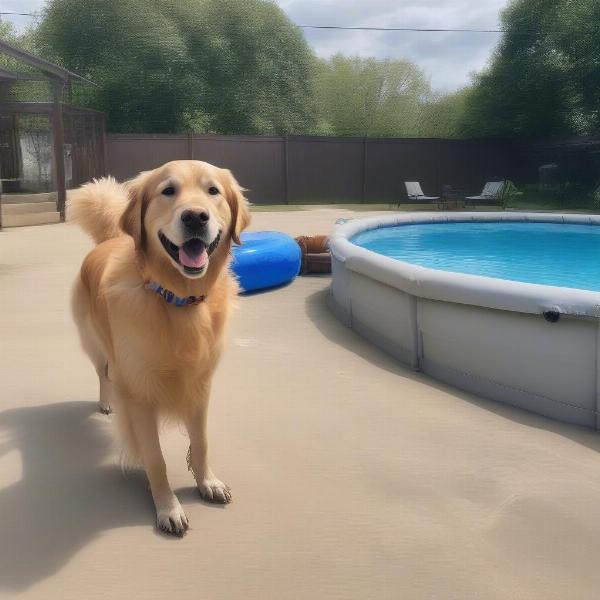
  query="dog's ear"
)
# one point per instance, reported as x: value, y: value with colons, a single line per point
x: 132, y: 219
x: 240, y: 212
x: 239, y: 207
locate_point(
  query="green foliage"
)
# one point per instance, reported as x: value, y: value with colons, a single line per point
x: 369, y: 97
x: 567, y: 195
x: 231, y: 66
x: 509, y: 192
x: 255, y: 65
x: 32, y: 91
x: 571, y: 193
x: 442, y: 114
x: 228, y: 66
x: 383, y: 98
x: 543, y: 79
x: 7, y: 34
x: 240, y: 66
x: 596, y: 198
x: 134, y: 54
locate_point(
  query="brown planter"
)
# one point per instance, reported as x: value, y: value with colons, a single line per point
x: 315, y: 254
x: 316, y: 263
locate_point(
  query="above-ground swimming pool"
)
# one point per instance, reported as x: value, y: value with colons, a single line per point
x: 505, y: 305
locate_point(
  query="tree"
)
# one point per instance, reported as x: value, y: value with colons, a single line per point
x: 226, y: 66
x: 134, y: 55
x: 370, y: 97
x: 255, y: 64
x: 442, y: 114
x: 7, y: 34
x: 32, y: 91
x: 577, y: 37
x: 543, y: 79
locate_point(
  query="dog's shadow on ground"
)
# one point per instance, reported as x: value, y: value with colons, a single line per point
x: 66, y: 495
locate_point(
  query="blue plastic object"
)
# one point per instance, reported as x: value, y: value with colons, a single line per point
x: 265, y: 259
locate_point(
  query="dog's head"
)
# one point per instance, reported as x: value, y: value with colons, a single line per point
x: 185, y: 212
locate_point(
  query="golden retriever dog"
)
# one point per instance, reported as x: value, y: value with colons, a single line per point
x: 151, y: 303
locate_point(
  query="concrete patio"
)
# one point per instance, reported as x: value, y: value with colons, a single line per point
x: 352, y: 476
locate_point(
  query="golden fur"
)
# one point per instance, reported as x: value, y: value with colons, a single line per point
x: 155, y: 359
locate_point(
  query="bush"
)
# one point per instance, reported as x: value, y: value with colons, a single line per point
x: 596, y: 198
x: 562, y: 195
x: 509, y: 193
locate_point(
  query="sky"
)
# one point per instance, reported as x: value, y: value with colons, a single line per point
x: 448, y: 59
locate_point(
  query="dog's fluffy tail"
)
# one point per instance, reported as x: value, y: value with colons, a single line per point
x: 97, y: 208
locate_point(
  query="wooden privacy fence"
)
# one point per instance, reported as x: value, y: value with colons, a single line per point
x: 576, y: 160
x: 307, y: 169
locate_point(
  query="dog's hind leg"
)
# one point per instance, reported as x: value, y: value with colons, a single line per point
x: 107, y: 390
x: 93, y: 349
x: 92, y: 346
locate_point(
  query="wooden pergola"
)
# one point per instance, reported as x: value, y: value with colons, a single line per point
x: 59, y: 79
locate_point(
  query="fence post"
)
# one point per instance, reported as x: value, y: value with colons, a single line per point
x: 94, y: 146
x: 286, y: 170
x: 59, y: 147
x: 104, y: 146
x: 0, y: 196
x: 190, y: 145
x: 363, y: 196
x: 439, y: 169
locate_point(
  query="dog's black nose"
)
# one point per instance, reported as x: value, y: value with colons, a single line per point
x: 194, y: 220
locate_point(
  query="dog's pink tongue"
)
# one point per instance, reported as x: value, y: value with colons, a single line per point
x: 192, y: 260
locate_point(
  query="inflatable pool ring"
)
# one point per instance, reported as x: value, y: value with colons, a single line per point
x: 265, y: 259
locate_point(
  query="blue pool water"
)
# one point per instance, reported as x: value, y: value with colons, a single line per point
x: 546, y: 253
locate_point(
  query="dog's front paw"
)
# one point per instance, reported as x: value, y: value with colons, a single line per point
x: 172, y: 520
x: 213, y: 490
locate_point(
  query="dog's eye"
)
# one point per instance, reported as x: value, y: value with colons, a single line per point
x: 213, y: 191
x: 169, y: 191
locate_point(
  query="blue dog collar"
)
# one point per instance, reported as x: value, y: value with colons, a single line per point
x: 170, y: 298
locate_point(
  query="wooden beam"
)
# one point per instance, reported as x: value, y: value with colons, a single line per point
x: 58, y: 137
x: 49, y: 69
x: 43, y: 108
x: 7, y: 75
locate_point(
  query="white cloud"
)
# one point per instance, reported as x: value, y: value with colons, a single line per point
x: 447, y: 58
x: 20, y: 6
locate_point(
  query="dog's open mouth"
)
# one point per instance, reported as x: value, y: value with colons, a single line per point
x: 192, y: 255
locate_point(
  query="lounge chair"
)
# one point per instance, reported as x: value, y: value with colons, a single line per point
x: 415, y: 193
x: 492, y: 193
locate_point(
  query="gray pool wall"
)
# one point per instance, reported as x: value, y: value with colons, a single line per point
x: 487, y: 336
